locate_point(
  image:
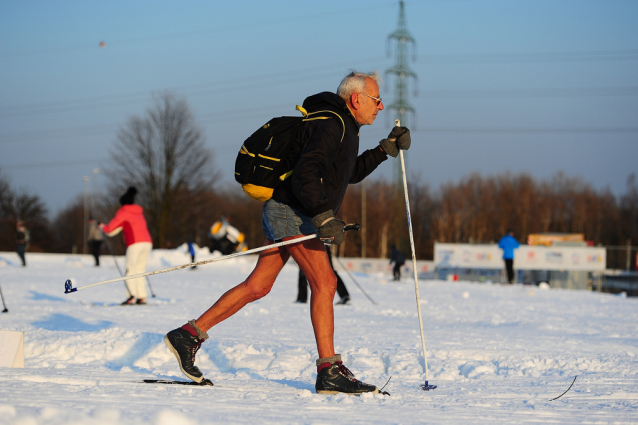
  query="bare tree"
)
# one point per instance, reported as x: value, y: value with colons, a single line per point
x: 19, y: 205
x: 164, y: 156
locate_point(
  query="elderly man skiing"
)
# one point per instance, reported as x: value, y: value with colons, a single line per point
x: 326, y: 158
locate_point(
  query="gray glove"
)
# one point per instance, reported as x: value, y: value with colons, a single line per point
x: 399, y: 138
x: 330, y: 229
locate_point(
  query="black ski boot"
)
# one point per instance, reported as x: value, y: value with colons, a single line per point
x: 184, y: 346
x: 336, y: 378
x: 343, y: 301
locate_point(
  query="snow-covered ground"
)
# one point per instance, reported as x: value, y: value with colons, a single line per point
x: 497, y: 353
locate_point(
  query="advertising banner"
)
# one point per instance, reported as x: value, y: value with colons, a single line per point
x: 525, y: 258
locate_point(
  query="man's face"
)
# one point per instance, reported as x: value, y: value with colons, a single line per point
x: 368, y: 106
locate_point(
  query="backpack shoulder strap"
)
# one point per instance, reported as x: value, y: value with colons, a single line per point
x: 307, y: 117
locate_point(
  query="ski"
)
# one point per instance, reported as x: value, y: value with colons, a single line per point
x: 570, y: 387
x: 98, y: 304
x: 205, y: 382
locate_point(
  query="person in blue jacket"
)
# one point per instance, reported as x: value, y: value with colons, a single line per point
x: 508, y: 244
x: 191, y: 251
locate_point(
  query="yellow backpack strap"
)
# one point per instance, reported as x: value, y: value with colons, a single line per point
x: 285, y: 175
x: 302, y: 110
x: 306, y: 118
x: 327, y: 118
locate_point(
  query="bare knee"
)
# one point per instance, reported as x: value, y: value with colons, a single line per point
x: 257, y: 290
x: 325, y: 287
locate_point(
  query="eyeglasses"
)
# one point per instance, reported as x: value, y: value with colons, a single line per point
x: 376, y: 99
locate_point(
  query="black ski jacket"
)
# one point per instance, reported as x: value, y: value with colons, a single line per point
x: 324, y: 165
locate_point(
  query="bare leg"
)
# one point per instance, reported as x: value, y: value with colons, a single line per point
x: 256, y: 286
x: 312, y: 258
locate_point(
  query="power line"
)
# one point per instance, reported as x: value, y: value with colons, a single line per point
x: 531, y: 92
x: 233, y: 84
x: 430, y: 130
x: 242, y: 114
x: 238, y: 84
x: 529, y: 57
x: 526, y: 130
x: 57, y: 133
x: 92, y: 130
x: 240, y: 26
x: 54, y: 164
x: 513, y: 93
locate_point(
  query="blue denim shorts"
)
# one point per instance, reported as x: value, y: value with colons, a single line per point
x: 280, y: 221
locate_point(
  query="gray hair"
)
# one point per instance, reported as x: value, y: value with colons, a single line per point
x: 355, y: 82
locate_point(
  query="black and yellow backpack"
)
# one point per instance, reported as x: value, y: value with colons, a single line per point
x: 261, y: 161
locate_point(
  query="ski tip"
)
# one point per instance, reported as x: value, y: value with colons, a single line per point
x: 68, y: 287
x: 427, y: 387
x: 204, y: 382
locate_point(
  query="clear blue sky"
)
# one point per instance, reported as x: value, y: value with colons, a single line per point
x: 535, y: 86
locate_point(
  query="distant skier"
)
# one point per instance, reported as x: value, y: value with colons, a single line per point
x: 508, y: 244
x: 225, y: 238
x: 397, y: 258
x: 191, y: 251
x: 302, y: 283
x: 130, y: 219
x: 22, y: 240
x: 96, y: 237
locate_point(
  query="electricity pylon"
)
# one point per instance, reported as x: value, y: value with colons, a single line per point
x: 401, y: 72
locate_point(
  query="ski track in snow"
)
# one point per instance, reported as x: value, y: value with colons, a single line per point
x: 497, y: 353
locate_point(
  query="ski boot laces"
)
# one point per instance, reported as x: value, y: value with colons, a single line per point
x: 192, y: 350
x: 346, y: 372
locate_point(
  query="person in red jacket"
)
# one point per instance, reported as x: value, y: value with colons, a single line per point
x: 130, y: 219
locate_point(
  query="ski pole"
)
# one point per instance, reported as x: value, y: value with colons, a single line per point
x: 116, y: 263
x: 113, y: 255
x: 426, y: 386
x: 6, y: 310
x: 122, y: 274
x: 68, y: 285
x: 355, y: 282
x: 150, y: 287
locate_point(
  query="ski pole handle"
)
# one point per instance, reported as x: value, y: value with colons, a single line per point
x: 352, y: 226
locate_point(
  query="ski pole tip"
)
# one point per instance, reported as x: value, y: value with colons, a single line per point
x: 68, y: 287
x: 427, y: 387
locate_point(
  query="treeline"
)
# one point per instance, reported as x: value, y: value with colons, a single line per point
x: 481, y: 209
x: 476, y: 209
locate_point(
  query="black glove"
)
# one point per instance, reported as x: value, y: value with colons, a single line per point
x: 330, y: 229
x: 399, y: 138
